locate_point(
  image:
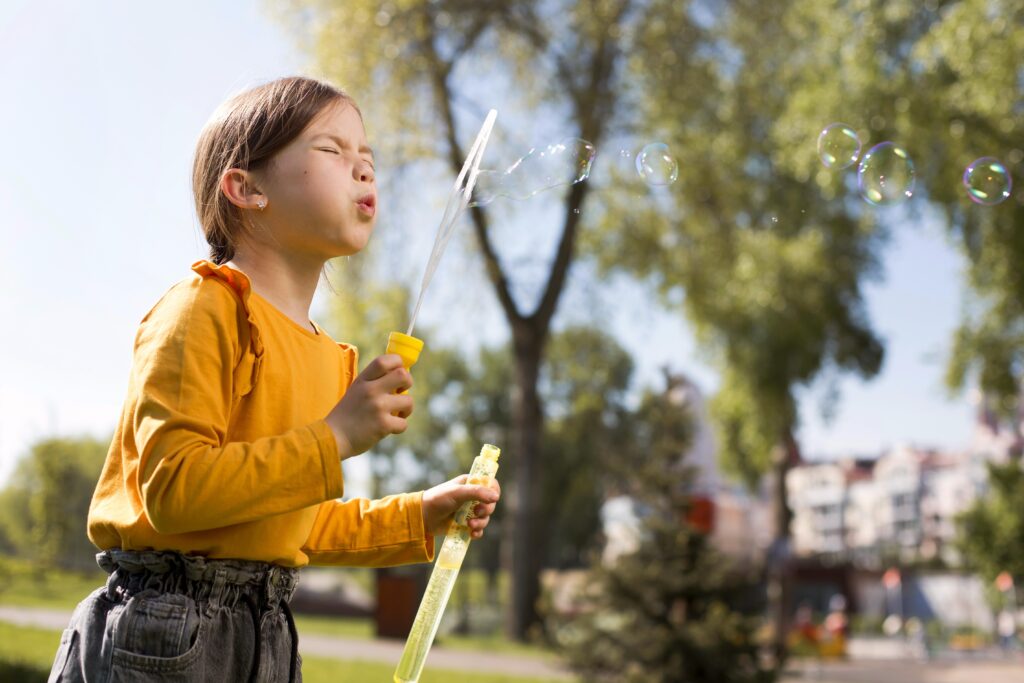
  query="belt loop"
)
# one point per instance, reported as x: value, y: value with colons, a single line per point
x: 270, y: 582
x: 217, y: 590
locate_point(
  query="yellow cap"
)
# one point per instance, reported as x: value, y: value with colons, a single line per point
x: 405, y: 346
x: 490, y: 452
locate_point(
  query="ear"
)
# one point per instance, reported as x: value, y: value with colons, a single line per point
x: 238, y: 186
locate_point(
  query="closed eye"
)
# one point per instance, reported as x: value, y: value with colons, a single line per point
x: 328, y: 149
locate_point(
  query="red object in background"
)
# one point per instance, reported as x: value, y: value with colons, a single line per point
x: 398, y: 599
x: 701, y: 515
x: 891, y: 578
x: 1004, y: 581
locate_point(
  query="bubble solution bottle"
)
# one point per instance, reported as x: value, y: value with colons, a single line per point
x: 442, y: 579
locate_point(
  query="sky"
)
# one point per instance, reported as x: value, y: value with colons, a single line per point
x: 102, y: 108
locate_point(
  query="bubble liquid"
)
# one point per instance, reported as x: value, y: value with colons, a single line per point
x: 566, y: 162
x: 987, y: 181
x: 838, y: 146
x: 886, y: 175
x: 442, y: 578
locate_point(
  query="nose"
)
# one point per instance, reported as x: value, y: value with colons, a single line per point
x: 363, y: 172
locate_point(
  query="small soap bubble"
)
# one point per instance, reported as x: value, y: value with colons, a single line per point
x: 838, y: 146
x: 987, y: 181
x: 564, y: 163
x: 656, y: 165
x: 886, y: 175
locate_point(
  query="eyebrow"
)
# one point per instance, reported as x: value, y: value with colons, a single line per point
x: 364, y: 149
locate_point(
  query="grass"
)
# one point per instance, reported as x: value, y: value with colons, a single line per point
x: 363, y: 629
x: 26, y: 655
x: 24, y: 585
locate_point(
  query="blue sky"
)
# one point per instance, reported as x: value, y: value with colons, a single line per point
x: 101, y: 111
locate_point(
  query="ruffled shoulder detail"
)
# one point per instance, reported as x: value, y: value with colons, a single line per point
x: 248, y: 369
x: 351, y: 362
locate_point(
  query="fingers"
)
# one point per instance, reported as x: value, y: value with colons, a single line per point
x: 381, y: 366
x: 395, y: 424
x: 484, y: 494
x: 477, y: 526
x: 400, y: 405
x: 395, y: 381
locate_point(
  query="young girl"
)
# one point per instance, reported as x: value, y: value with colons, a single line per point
x: 224, y: 472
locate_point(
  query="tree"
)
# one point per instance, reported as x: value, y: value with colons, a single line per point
x: 44, y: 508
x: 767, y: 269
x: 666, y: 612
x: 563, y: 57
x: 990, y: 534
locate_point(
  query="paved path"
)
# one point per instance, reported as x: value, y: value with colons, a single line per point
x: 335, y: 647
x: 964, y: 671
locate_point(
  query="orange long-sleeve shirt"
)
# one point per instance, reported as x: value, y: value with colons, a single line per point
x: 222, y: 449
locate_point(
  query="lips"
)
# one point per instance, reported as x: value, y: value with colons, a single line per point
x: 367, y: 204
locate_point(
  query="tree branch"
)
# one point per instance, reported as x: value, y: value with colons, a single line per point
x: 441, y: 71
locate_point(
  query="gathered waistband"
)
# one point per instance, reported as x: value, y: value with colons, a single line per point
x: 198, y: 577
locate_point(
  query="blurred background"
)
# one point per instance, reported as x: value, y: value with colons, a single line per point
x: 756, y: 379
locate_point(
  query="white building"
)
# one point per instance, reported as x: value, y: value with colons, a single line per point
x: 903, y: 503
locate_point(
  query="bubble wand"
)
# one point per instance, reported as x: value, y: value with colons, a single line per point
x: 442, y: 578
x: 406, y: 345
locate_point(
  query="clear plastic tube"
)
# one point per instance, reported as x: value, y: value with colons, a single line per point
x: 442, y: 579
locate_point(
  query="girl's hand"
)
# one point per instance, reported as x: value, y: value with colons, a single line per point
x: 370, y: 409
x: 441, y: 502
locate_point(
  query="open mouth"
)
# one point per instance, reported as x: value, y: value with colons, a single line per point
x: 367, y: 204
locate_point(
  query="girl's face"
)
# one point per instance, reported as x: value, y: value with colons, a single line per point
x: 320, y: 188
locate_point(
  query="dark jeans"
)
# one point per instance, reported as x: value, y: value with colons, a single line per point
x: 164, y: 616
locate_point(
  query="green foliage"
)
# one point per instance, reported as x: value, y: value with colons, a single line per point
x: 766, y: 267
x: 43, y: 509
x: 666, y: 612
x: 584, y: 386
x: 943, y: 79
x: 991, y: 532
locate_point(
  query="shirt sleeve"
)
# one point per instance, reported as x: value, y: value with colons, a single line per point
x: 370, y: 533
x: 190, y: 477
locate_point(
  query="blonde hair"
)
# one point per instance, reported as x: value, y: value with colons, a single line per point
x: 245, y: 132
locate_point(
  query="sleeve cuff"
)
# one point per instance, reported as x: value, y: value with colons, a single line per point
x: 330, y: 461
x: 417, y: 527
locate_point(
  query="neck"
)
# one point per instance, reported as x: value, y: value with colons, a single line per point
x: 287, y: 283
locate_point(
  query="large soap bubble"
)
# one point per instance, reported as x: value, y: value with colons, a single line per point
x: 838, y: 146
x: 564, y: 163
x: 656, y: 165
x: 987, y: 181
x: 886, y: 175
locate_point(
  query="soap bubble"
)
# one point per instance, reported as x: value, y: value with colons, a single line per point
x: 987, y: 181
x: 838, y: 146
x: 564, y: 163
x: 656, y: 166
x: 886, y: 175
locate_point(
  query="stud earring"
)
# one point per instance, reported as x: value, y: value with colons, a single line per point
x: 261, y: 204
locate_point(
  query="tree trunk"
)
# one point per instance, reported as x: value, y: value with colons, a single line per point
x: 526, y: 550
x: 785, y: 455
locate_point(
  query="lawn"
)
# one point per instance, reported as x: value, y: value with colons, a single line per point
x: 363, y: 629
x: 24, y: 585
x: 27, y: 653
